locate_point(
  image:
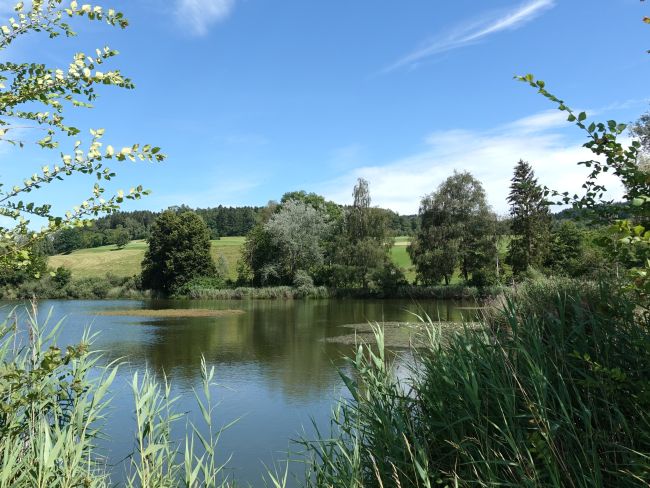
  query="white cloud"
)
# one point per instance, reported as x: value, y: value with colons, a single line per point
x: 199, y: 15
x: 489, y: 155
x: 474, y: 32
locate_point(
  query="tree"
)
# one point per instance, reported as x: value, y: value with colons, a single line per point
x: 457, y: 231
x: 67, y: 240
x: 290, y: 241
x: 567, y: 250
x: 122, y: 238
x: 179, y: 251
x: 333, y: 210
x: 297, y: 230
x: 530, y: 220
x: 36, y: 95
x: 622, y: 161
x: 360, y: 245
x: 641, y: 130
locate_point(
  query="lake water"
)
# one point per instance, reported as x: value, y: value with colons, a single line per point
x: 276, y: 368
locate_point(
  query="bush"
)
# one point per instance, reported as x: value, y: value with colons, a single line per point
x: 558, y: 398
x: 62, y: 276
x: 388, y: 278
x: 302, y: 279
x: 484, y: 277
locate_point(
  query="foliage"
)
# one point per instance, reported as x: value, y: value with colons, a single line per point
x: 290, y: 240
x: 122, y: 238
x: 577, y: 252
x: 67, y: 240
x: 556, y: 397
x: 297, y: 231
x: 623, y: 162
x: 40, y: 96
x: 62, y: 276
x: 530, y: 220
x: 34, y: 269
x: 52, y: 411
x: 179, y: 250
x: 360, y: 244
x: 333, y: 210
x: 457, y: 230
x: 641, y: 130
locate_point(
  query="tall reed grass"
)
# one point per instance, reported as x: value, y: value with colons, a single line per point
x: 553, y: 392
x: 53, y: 411
x: 555, y: 397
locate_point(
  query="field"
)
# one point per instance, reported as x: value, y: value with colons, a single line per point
x: 126, y: 262
x: 98, y: 261
x: 401, y: 258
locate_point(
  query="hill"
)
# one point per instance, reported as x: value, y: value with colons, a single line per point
x: 97, y: 261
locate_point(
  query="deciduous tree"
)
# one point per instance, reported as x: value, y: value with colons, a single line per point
x: 179, y: 251
x: 456, y: 231
x: 360, y: 246
x: 34, y: 95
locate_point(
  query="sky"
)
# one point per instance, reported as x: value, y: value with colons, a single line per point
x: 250, y: 99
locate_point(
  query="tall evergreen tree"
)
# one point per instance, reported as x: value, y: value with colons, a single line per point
x: 530, y: 220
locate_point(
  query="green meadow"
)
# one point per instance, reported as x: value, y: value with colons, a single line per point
x: 88, y: 263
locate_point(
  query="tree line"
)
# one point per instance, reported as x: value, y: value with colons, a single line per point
x: 120, y: 227
x: 305, y: 240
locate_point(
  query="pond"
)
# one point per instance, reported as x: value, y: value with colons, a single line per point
x: 275, y: 362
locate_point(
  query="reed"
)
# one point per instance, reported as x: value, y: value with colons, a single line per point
x: 552, y: 398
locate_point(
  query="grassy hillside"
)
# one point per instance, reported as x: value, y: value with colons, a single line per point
x: 126, y: 262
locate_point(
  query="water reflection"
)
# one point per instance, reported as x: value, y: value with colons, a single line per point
x: 277, y: 367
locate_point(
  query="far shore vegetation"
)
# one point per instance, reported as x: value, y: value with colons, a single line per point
x: 171, y: 312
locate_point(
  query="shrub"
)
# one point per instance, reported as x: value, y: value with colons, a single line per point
x: 62, y: 276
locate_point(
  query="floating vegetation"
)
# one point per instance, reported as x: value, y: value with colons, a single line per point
x: 396, y: 334
x: 172, y: 312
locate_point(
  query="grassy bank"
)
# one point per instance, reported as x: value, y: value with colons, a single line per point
x: 112, y: 287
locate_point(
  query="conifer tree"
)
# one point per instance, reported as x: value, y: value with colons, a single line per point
x: 530, y: 222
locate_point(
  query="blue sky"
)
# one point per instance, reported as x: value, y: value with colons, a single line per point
x: 252, y: 98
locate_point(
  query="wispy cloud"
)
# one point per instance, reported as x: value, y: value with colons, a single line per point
x: 199, y: 15
x: 544, y: 139
x: 473, y: 32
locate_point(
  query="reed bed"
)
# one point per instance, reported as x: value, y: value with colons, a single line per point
x: 553, y: 397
